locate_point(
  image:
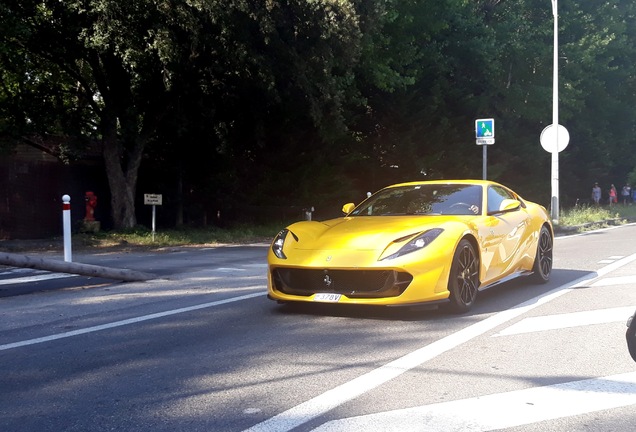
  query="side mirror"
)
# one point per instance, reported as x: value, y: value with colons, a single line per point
x: 509, y: 204
x: 348, y: 208
x: 631, y: 336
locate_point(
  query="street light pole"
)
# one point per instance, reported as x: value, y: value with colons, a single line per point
x: 554, y: 210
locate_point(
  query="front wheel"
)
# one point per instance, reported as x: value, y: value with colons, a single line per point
x: 463, y: 280
x: 543, y: 261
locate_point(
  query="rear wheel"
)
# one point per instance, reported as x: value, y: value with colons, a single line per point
x: 463, y: 280
x: 631, y: 337
x: 543, y: 261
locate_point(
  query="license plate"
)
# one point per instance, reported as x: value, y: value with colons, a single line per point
x: 327, y: 297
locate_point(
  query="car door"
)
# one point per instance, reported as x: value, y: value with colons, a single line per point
x: 504, y: 233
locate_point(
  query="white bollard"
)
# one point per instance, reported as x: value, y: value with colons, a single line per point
x: 66, y: 219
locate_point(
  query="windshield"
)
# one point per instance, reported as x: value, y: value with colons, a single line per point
x: 423, y: 199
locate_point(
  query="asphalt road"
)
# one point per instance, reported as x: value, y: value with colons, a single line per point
x: 202, y: 349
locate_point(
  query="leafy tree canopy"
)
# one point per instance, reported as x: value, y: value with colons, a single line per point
x: 297, y: 102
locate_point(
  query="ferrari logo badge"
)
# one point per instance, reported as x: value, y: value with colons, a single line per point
x: 327, y: 281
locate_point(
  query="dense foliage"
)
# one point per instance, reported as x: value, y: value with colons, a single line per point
x: 273, y: 103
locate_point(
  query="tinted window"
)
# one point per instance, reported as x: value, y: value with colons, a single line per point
x: 496, y: 194
x: 426, y: 199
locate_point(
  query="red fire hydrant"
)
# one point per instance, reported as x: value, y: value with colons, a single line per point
x: 91, y: 203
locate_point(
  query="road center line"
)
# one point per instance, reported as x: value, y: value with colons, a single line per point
x: 337, y: 396
x: 128, y: 321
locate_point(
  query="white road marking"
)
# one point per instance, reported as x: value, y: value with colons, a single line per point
x: 37, y: 278
x: 335, y: 397
x: 13, y: 271
x: 503, y: 410
x: 622, y: 280
x: 611, y: 259
x: 128, y: 321
x: 615, y: 265
x: 575, y: 319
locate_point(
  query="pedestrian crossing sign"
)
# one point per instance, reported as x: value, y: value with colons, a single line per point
x: 485, y: 128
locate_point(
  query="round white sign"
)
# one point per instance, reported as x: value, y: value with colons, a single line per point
x: 549, y: 138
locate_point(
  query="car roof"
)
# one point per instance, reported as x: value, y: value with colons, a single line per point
x: 433, y: 182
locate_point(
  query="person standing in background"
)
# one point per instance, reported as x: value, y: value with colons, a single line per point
x: 596, y: 193
x: 613, y: 198
x: 626, y: 194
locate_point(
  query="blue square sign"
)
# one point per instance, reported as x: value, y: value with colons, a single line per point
x: 485, y: 128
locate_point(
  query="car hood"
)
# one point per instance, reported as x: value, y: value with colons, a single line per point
x: 366, y: 233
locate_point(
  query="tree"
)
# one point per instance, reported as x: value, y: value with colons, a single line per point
x: 295, y: 101
x: 124, y: 70
x: 103, y: 78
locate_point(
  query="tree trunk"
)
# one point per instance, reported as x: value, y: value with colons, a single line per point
x: 122, y: 169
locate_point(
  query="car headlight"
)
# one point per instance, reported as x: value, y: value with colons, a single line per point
x: 417, y: 243
x: 278, y: 243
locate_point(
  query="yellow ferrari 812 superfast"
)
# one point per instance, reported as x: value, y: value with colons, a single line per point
x: 414, y: 243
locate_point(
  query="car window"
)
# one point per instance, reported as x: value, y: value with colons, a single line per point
x: 423, y: 199
x: 496, y: 195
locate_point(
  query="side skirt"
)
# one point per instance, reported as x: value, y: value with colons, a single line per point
x: 508, y: 278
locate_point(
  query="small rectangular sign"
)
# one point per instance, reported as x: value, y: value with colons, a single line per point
x: 485, y: 141
x: 152, y: 199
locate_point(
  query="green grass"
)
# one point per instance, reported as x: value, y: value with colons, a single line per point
x: 141, y: 236
x: 626, y: 212
x: 589, y: 217
x: 585, y: 215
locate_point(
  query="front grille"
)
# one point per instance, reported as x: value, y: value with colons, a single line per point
x: 352, y: 283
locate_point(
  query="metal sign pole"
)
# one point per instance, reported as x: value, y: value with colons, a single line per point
x: 154, y: 214
x: 485, y: 162
x: 554, y: 208
x: 154, y: 200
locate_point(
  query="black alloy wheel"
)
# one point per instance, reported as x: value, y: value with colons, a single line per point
x: 463, y: 280
x: 543, y: 261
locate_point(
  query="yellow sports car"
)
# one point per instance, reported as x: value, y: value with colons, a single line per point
x: 413, y: 243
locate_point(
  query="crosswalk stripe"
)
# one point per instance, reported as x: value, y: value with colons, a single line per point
x: 502, y: 410
x: 621, y: 280
x: 37, y: 278
x: 14, y: 271
x: 574, y: 319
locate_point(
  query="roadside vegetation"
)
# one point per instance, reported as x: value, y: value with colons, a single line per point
x: 584, y: 218
x: 579, y: 218
x: 584, y: 215
x: 143, y: 237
